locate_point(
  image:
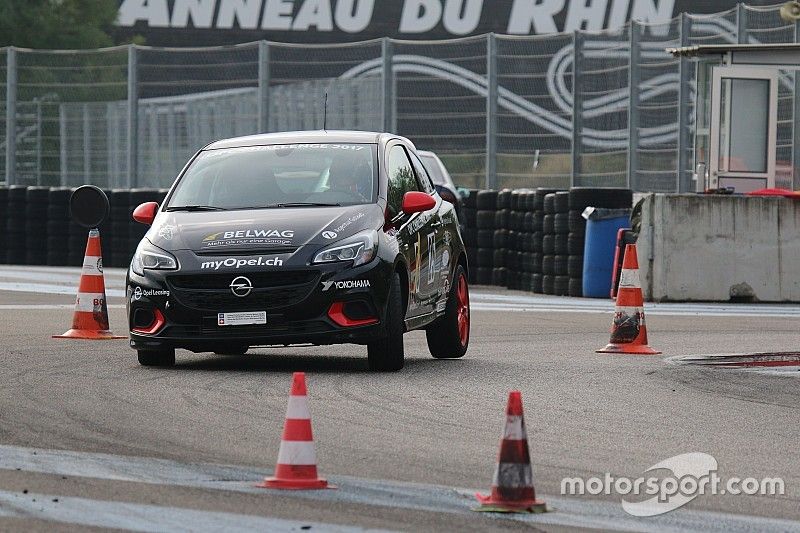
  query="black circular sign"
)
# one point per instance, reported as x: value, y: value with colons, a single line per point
x: 88, y: 206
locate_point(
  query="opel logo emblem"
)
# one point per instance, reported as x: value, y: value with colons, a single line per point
x: 241, y: 286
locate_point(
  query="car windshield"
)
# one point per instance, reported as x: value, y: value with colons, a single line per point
x: 285, y: 175
x: 435, y: 170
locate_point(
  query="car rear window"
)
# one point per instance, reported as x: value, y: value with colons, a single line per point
x: 265, y: 176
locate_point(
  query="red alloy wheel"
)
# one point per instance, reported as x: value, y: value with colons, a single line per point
x: 463, y: 309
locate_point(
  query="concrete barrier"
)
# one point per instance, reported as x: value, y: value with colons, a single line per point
x: 720, y: 248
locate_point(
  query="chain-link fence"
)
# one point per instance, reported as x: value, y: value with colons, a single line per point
x: 600, y: 109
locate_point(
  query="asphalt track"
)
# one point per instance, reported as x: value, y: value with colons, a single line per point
x: 89, y: 439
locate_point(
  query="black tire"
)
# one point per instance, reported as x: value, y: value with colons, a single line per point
x: 537, y: 242
x: 548, y: 265
x: 561, y: 285
x: 548, y: 281
x: 548, y: 224
x: 485, y: 220
x: 486, y: 200
x: 538, y: 221
x: 485, y: 257
x: 576, y: 287
x: 501, y: 218
x: 561, y: 244
x: 483, y: 276
x: 548, y: 244
x: 560, y: 265
x: 577, y: 224
x: 470, y: 236
x: 561, y: 223
x: 499, y: 276
x: 499, y: 258
x: 162, y: 358
x: 538, y: 197
x: 575, y: 266
x: 536, y: 283
x: 549, y: 203
x: 387, y: 353
x: 485, y: 238
x: 503, y: 199
x: 575, y: 244
x: 500, y: 239
x: 561, y: 202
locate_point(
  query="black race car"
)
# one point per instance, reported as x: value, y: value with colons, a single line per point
x: 303, y: 237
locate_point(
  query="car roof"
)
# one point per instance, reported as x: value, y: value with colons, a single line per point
x: 317, y: 136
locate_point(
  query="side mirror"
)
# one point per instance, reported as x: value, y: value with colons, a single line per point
x: 145, y: 213
x: 417, y: 202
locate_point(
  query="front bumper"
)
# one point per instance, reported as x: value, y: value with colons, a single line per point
x: 297, y: 302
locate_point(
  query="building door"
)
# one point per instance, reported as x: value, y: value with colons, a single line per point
x: 744, y: 112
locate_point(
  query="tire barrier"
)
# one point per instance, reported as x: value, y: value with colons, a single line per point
x: 36, y: 227
x: 532, y: 240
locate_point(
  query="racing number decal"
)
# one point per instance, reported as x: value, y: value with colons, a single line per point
x: 416, y: 266
x: 431, y: 258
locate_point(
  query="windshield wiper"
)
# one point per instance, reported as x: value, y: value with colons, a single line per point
x: 194, y: 208
x: 290, y: 204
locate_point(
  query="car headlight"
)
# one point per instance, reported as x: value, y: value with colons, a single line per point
x: 149, y: 256
x: 360, y: 249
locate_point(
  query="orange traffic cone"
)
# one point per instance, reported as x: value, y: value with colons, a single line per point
x: 512, y: 486
x: 90, y: 319
x: 297, y: 459
x: 628, y: 330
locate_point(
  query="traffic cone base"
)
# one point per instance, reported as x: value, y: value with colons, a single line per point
x: 89, y: 335
x: 512, y: 484
x: 297, y: 460
x: 90, y: 318
x: 628, y: 329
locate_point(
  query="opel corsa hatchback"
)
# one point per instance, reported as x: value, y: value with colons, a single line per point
x: 293, y: 238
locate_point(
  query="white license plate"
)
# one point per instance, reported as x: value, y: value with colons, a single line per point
x: 247, y: 318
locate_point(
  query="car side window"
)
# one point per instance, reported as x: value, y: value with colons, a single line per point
x: 422, y: 173
x: 401, y: 178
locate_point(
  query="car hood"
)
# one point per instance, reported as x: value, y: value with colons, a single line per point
x: 261, y: 229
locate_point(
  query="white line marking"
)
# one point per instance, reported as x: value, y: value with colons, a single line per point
x: 570, y: 512
x: 141, y: 517
x: 52, y: 289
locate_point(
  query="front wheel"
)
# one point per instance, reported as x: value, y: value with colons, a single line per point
x: 387, y: 353
x: 164, y: 357
x: 448, y: 337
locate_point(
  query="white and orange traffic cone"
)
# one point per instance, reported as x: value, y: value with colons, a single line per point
x: 512, y: 485
x: 297, y: 458
x: 628, y: 330
x: 90, y: 319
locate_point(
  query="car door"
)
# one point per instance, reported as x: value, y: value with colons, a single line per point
x: 416, y: 234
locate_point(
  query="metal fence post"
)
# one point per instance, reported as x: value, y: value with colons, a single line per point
x: 11, y: 116
x: 263, y: 86
x: 133, y: 116
x: 633, y: 104
x: 796, y: 118
x: 389, y: 118
x: 491, y: 111
x: 577, y: 104
x: 683, y: 178
x: 741, y: 23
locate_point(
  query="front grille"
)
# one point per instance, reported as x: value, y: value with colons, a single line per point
x: 271, y: 290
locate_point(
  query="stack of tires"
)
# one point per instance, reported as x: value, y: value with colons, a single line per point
x: 579, y: 199
x: 521, y: 263
x: 119, y: 222
x: 538, y: 238
x: 3, y: 223
x: 469, y: 232
x: 486, y: 204
x: 58, y: 226
x: 502, y: 264
x: 551, y: 238
x: 16, y: 225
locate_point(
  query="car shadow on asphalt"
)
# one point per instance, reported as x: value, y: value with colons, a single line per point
x: 259, y: 362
